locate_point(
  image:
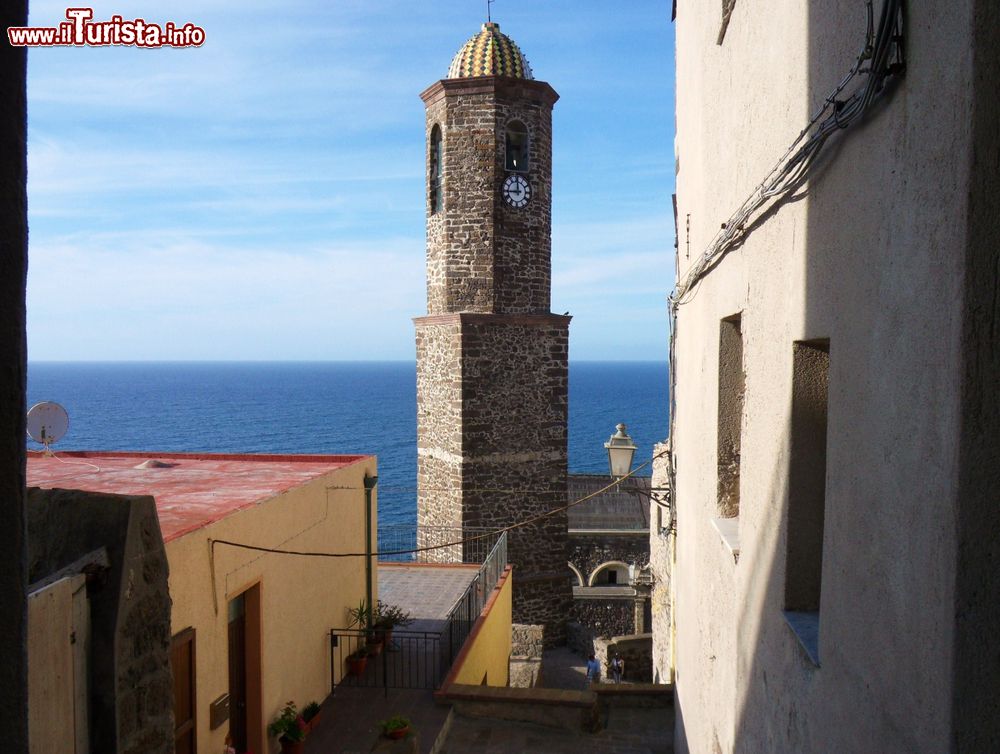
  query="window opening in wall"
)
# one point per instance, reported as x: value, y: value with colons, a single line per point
x: 730, y: 418
x: 807, y: 490
x: 517, y: 146
x: 610, y: 575
x: 435, y: 172
x: 727, y: 11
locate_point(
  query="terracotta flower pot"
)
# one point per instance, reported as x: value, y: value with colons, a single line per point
x: 398, y: 733
x: 356, y: 665
x: 291, y: 747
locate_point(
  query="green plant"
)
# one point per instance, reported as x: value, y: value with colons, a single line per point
x: 397, y: 722
x: 310, y: 711
x: 359, y: 615
x: 389, y: 616
x: 289, y: 724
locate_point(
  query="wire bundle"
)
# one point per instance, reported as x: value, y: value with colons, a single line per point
x: 883, y: 53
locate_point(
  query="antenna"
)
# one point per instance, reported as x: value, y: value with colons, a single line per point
x: 47, y: 423
x: 488, y: 4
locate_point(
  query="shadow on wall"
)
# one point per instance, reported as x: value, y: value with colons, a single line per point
x: 914, y: 423
x: 13, y: 384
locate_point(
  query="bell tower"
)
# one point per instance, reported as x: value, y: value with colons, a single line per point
x: 491, y: 358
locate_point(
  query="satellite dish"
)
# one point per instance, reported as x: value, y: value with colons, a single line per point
x: 47, y: 422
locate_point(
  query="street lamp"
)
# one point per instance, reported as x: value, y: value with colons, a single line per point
x: 620, y: 449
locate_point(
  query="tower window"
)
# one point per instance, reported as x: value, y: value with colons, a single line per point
x: 517, y: 146
x: 435, y: 172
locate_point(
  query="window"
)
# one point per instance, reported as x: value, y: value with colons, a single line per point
x: 435, y: 171
x: 730, y: 419
x: 517, y: 147
x: 611, y: 574
x: 807, y: 491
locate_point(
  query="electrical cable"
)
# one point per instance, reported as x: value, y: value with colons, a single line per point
x: 484, y: 535
x: 884, y: 53
x: 51, y: 454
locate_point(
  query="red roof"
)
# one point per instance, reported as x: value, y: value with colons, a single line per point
x: 191, y: 490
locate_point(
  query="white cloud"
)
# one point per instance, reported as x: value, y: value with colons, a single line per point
x: 188, y: 298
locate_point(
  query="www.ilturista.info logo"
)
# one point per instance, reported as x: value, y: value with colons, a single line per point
x: 80, y: 30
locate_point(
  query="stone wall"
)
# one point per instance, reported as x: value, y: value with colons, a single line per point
x: 637, y: 652
x: 492, y: 374
x: 527, y: 640
x: 605, y: 617
x: 527, y: 643
x: 589, y: 551
x: 499, y: 454
x: 130, y: 682
x: 482, y: 254
x: 579, y: 638
x: 660, y: 558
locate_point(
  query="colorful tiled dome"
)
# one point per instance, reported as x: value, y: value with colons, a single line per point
x: 490, y: 53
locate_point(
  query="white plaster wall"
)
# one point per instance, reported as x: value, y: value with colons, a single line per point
x: 661, y: 546
x: 870, y: 258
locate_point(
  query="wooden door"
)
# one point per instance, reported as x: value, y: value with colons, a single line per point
x: 238, y: 673
x: 182, y: 660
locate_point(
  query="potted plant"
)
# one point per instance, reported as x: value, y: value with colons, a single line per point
x: 395, y: 727
x: 357, y: 661
x: 386, y: 617
x: 290, y: 729
x: 359, y: 617
x: 310, y: 713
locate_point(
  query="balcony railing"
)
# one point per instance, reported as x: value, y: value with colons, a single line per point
x: 396, y: 543
x: 463, y: 615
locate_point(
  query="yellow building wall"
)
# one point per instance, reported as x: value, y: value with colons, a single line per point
x: 486, y: 654
x: 301, y: 598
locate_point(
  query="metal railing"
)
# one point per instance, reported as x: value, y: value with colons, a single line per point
x: 464, y: 614
x: 419, y: 659
x: 475, y: 547
x: 399, y: 660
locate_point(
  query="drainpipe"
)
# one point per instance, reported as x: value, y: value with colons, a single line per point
x: 370, y: 482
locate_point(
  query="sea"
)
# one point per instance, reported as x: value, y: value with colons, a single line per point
x: 319, y: 407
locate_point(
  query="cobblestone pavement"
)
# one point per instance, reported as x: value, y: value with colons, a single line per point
x: 627, y: 731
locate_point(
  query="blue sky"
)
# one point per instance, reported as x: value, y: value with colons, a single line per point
x: 262, y: 197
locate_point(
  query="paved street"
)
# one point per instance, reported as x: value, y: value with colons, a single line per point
x: 628, y: 731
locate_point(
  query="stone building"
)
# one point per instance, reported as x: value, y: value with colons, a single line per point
x: 99, y: 623
x: 242, y: 631
x: 609, y: 556
x: 491, y: 357
x: 835, y: 438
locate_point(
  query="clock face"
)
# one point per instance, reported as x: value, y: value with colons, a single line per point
x: 516, y: 191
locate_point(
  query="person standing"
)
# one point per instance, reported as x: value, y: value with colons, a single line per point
x: 593, y: 670
x: 617, y: 668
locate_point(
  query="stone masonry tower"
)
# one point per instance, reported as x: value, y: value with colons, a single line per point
x: 491, y: 358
